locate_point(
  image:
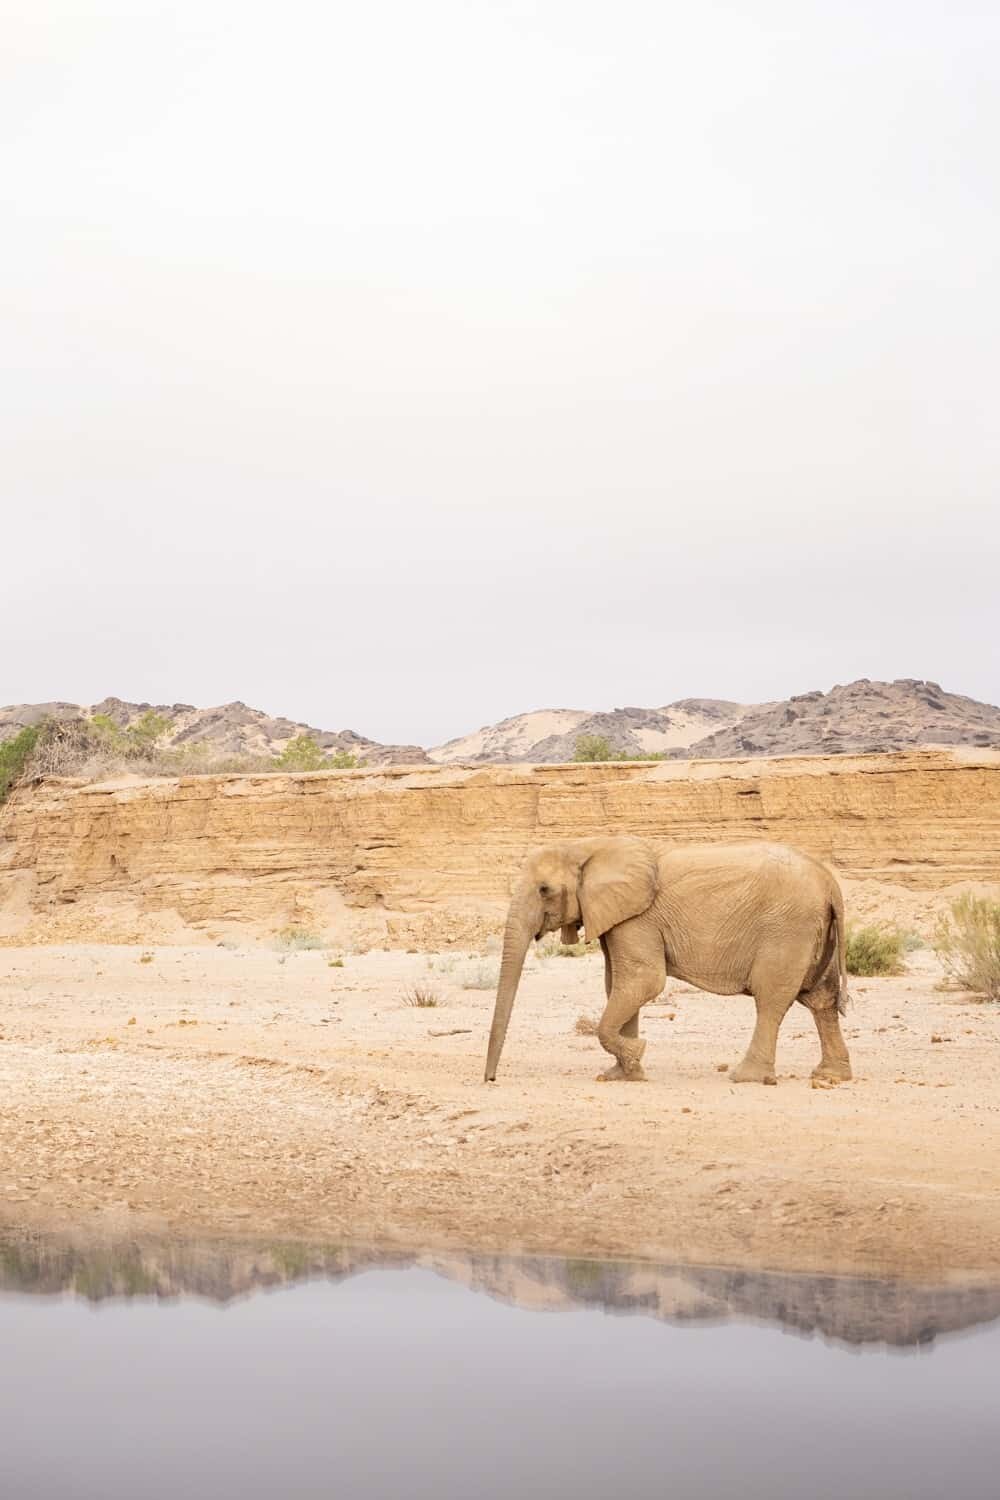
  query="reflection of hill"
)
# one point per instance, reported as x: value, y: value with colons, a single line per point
x: 855, y: 1310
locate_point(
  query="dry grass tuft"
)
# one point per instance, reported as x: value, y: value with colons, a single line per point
x: 421, y: 998
x: 968, y: 944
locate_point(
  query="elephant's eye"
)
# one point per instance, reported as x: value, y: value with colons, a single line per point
x: 545, y: 890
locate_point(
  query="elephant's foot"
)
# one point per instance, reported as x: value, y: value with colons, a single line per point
x: 750, y: 1071
x: 833, y: 1071
x: 617, y: 1074
x: 630, y: 1052
x: 628, y: 1068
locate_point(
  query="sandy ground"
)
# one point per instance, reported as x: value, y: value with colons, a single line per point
x: 222, y: 1090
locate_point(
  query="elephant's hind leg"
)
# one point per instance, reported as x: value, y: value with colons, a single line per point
x: 775, y: 984
x: 835, y: 1062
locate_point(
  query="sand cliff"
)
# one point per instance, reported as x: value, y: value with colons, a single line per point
x: 424, y: 855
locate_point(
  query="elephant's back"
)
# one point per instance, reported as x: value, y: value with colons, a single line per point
x: 755, y: 860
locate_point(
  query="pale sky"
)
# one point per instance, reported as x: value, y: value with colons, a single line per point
x: 403, y: 366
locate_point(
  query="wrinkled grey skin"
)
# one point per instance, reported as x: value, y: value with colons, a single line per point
x: 735, y: 919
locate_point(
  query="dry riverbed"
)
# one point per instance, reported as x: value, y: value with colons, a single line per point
x: 223, y: 1090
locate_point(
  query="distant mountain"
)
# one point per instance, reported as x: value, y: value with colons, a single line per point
x: 231, y: 729
x: 861, y: 717
x: 551, y: 734
x: 857, y: 718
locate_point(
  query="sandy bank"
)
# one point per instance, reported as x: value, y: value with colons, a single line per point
x: 215, y: 1090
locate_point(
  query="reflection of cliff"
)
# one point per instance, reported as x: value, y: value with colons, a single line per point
x: 854, y: 1310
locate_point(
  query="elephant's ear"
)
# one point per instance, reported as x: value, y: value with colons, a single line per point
x: 617, y: 881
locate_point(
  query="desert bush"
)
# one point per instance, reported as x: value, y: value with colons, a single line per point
x: 597, y: 747
x: 593, y: 747
x: 573, y: 950
x: 15, y: 757
x: 300, y: 754
x: 552, y: 948
x: 304, y: 754
x: 132, y: 741
x: 967, y: 941
x: 421, y: 997
x: 482, y: 976
x: 341, y: 760
x: 874, y: 950
x: 298, y: 940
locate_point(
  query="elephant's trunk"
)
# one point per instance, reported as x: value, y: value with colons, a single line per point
x: 523, y: 922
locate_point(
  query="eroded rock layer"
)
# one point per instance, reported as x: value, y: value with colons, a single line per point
x: 426, y: 854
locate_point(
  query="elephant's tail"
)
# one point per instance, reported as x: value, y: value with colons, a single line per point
x: 840, y: 944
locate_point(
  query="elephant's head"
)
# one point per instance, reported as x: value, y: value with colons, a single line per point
x: 599, y: 882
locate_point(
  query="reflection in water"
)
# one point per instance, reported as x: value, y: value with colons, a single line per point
x: 370, y: 1376
x: 852, y: 1309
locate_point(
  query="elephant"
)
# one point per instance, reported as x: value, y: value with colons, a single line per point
x: 754, y: 919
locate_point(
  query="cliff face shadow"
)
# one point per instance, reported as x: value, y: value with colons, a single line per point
x: 853, y: 1310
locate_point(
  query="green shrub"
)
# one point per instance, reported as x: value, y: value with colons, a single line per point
x: 968, y: 944
x: 874, y: 950
x: 137, y: 739
x: 147, y: 731
x: 341, y: 760
x: 592, y: 747
x: 300, y: 754
x: 15, y: 754
x: 596, y: 747
x: 304, y: 754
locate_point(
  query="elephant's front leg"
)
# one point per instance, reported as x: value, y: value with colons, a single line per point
x: 617, y: 1074
x: 635, y: 973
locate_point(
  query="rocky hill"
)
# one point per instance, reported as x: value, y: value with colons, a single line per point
x: 232, y: 729
x: 859, y: 718
x: 862, y: 718
x: 550, y: 735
